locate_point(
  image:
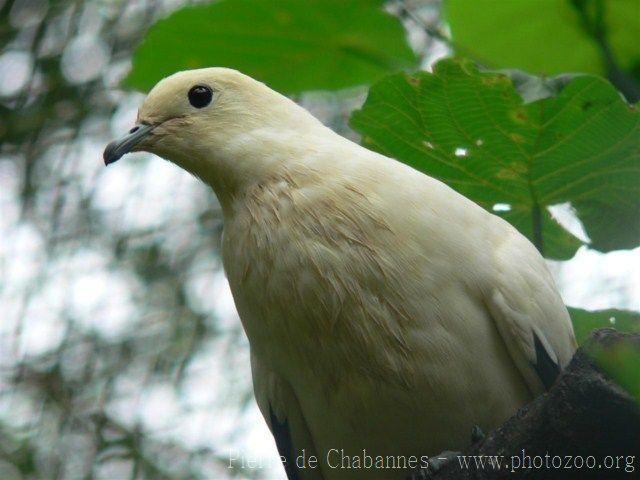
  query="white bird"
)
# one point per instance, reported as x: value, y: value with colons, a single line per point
x: 387, y: 315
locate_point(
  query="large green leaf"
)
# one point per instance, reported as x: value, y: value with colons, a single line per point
x: 543, y: 36
x: 474, y: 131
x: 292, y: 45
x: 584, y: 321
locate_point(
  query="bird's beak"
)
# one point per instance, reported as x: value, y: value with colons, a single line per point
x: 118, y: 148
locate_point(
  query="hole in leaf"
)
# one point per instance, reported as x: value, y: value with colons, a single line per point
x: 501, y: 207
x: 460, y: 152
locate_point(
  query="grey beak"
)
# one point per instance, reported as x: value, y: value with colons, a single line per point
x: 118, y: 148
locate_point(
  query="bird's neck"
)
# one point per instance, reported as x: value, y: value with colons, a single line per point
x: 261, y: 156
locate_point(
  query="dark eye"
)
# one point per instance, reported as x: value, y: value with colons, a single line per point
x: 200, y: 96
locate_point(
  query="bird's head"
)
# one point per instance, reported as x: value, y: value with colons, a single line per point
x: 207, y: 122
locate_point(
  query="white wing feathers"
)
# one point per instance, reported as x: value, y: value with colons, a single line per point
x: 529, y: 313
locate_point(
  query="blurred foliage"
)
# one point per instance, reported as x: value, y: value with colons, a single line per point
x: 99, y: 317
x: 550, y: 36
x: 292, y: 46
x: 577, y: 142
x: 585, y: 321
x: 120, y: 356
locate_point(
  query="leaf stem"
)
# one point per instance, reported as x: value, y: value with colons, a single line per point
x: 538, y: 240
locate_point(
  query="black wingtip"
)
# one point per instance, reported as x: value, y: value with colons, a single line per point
x: 546, y: 368
x: 282, y: 435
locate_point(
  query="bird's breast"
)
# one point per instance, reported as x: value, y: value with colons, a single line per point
x: 312, y: 283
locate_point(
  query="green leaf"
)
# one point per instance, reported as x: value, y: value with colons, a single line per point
x: 620, y: 361
x: 542, y: 36
x: 584, y: 321
x: 292, y: 45
x: 579, y: 143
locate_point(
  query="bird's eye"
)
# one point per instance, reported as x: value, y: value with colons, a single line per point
x: 200, y: 96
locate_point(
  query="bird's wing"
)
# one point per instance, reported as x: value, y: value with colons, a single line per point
x: 281, y: 410
x: 530, y: 315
